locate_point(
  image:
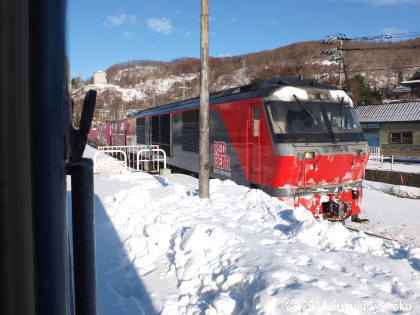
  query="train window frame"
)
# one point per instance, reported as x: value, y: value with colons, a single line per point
x: 155, y: 130
x: 306, y: 137
x: 256, y: 116
x: 190, y: 131
x: 141, y: 126
x: 163, y: 126
x: 401, y: 137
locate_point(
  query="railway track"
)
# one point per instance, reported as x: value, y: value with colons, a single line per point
x: 372, y: 234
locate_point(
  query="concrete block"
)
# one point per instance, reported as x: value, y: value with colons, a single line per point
x: 164, y: 171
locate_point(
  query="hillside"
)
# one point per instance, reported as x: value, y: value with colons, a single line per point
x: 142, y: 84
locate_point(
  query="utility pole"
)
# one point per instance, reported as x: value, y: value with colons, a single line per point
x: 343, y: 68
x: 183, y: 88
x: 204, y: 103
x: 337, y: 55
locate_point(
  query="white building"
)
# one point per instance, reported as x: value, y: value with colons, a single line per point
x: 99, y: 77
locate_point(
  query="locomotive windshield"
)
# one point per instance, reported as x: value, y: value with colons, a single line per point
x: 313, y: 122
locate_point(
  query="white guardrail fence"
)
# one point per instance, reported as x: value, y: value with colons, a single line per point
x: 142, y: 158
x: 377, y: 159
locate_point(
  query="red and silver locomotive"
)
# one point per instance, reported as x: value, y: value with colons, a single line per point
x: 297, y: 140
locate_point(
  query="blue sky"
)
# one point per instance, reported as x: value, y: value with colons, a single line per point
x: 104, y: 32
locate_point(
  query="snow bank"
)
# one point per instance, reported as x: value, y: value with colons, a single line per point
x: 244, y: 252
x: 397, y: 167
x: 104, y: 163
x: 395, y: 190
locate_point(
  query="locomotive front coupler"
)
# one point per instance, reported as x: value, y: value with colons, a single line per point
x: 335, y: 210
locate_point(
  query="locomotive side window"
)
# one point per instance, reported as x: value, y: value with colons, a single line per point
x: 155, y: 130
x: 279, y: 123
x: 190, y: 131
x: 256, y: 121
x: 165, y: 134
x: 140, y: 131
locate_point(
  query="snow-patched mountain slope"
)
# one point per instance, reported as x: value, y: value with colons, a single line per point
x: 160, y: 249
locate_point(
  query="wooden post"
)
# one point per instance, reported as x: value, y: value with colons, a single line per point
x: 204, y: 103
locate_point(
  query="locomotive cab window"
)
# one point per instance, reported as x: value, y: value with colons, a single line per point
x: 313, y: 121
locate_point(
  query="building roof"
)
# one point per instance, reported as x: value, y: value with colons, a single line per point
x: 392, y: 112
x: 415, y: 79
x: 400, y: 89
x: 416, y: 76
x: 410, y: 82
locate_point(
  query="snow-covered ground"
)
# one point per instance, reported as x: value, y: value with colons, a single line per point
x: 398, y: 167
x: 160, y: 249
x: 393, y: 211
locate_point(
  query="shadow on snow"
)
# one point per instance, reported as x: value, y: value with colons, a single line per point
x: 119, y: 288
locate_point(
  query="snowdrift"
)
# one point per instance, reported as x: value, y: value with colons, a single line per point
x: 239, y: 252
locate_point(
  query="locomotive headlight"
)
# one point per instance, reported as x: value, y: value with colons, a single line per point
x: 309, y: 155
x: 306, y: 156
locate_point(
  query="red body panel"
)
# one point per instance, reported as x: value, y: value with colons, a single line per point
x: 119, y: 132
x: 131, y: 130
x: 105, y: 134
x: 94, y: 133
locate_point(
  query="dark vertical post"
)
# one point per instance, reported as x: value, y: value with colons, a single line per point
x: 17, y: 286
x: 83, y: 236
x: 204, y: 103
x: 49, y: 131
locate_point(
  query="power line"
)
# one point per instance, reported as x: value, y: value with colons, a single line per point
x: 336, y: 37
x: 380, y: 69
x: 388, y: 36
x: 380, y: 48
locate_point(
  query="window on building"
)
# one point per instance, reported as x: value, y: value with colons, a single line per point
x: 190, y: 131
x: 401, y: 137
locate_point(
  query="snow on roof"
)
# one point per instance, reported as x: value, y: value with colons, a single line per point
x: 392, y: 112
x: 416, y: 76
x: 413, y: 80
x: 410, y: 82
x: 400, y: 89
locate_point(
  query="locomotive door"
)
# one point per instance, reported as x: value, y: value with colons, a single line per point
x: 254, y: 144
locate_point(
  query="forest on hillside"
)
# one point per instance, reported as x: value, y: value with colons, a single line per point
x: 372, y: 68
